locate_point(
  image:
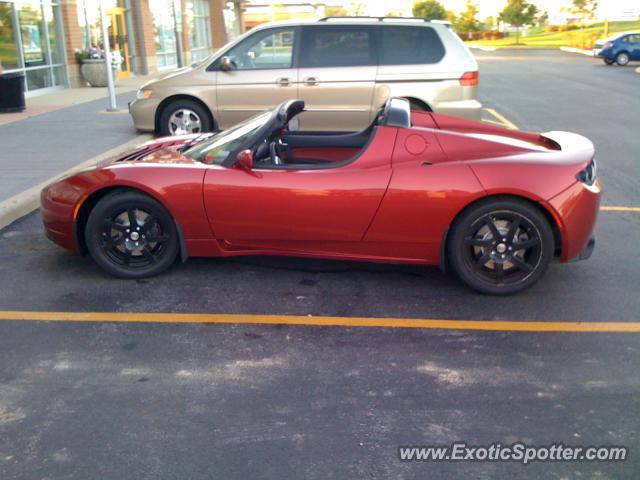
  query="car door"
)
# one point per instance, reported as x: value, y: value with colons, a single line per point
x: 634, y: 43
x: 337, y: 69
x: 291, y: 208
x: 262, y: 75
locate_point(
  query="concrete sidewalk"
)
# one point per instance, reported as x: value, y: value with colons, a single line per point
x: 57, y: 132
x: 37, y: 148
x: 49, y: 102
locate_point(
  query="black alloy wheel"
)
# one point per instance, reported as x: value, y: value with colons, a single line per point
x: 501, y: 247
x: 131, y: 235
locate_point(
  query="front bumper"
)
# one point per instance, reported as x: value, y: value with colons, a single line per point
x: 143, y: 113
x: 57, y: 204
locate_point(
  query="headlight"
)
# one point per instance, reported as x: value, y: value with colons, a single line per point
x: 589, y: 174
x: 143, y: 94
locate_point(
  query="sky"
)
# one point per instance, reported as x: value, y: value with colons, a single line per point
x: 487, y: 8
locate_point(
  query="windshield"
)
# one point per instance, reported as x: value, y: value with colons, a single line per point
x: 216, y: 149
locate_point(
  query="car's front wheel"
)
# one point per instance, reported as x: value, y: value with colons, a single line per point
x: 131, y: 235
x: 609, y: 61
x: 500, y: 246
x: 184, y: 117
x: 622, y: 59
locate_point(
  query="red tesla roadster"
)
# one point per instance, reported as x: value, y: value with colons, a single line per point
x: 493, y: 205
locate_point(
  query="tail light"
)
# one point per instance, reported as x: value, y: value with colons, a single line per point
x: 469, y: 79
x: 589, y: 174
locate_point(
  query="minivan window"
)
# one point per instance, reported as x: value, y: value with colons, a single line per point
x: 264, y: 50
x: 410, y: 45
x: 337, y: 46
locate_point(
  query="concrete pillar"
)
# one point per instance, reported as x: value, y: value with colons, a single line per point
x: 218, y: 37
x: 72, y: 40
x: 186, y: 34
x: 143, y: 24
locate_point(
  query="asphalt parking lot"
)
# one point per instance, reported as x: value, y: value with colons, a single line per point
x: 198, y: 400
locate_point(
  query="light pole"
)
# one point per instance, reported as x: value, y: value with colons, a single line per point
x: 107, y: 59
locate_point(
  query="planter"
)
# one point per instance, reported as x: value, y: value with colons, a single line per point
x: 95, y: 72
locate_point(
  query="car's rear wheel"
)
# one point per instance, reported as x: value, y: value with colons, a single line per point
x: 608, y: 61
x: 184, y: 117
x: 130, y: 235
x: 622, y: 59
x: 500, y: 246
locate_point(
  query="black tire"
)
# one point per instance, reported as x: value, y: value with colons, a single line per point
x: 608, y: 61
x: 483, y: 245
x: 622, y: 59
x: 123, y: 251
x: 200, y: 112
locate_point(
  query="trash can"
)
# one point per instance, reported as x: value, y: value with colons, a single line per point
x: 12, y: 93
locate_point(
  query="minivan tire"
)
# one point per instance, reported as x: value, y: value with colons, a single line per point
x: 203, y: 115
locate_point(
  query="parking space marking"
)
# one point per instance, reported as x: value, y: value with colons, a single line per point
x: 504, y: 121
x: 620, y: 209
x: 489, y: 325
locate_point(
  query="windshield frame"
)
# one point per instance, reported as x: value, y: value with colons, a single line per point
x: 244, y: 131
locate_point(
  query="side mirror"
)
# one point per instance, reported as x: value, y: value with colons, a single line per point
x: 244, y: 160
x: 225, y: 64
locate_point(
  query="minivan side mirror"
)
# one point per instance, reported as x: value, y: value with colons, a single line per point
x: 244, y: 160
x: 225, y: 63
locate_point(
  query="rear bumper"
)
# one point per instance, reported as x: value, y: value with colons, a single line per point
x: 470, y: 109
x: 576, y: 211
x: 587, y: 252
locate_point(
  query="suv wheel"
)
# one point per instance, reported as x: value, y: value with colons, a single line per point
x: 608, y: 61
x: 184, y: 117
x: 622, y: 59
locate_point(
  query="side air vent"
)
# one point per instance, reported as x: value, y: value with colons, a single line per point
x: 138, y: 154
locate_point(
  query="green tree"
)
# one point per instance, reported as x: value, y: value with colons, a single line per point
x: 335, y: 12
x: 518, y: 13
x: 467, y: 21
x: 431, y: 9
x: 585, y: 8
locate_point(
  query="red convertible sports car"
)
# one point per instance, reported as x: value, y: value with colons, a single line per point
x: 493, y: 205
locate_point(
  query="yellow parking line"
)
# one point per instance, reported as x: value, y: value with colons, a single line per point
x: 498, y: 325
x: 620, y: 209
x: 504, y: 120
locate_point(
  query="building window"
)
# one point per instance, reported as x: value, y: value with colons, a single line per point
x: 165, y: 32
x: 199, y: 29
x: 31, y: 42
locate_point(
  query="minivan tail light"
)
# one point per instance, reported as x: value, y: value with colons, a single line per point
x: 469, y: 79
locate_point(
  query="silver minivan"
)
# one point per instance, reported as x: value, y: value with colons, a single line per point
x: 343, y: 68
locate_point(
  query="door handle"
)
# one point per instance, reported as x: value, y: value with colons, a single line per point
x: 310, y: 81
x: 283, y: 82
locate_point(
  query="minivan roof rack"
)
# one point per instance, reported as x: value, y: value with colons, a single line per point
x: 380, y: 19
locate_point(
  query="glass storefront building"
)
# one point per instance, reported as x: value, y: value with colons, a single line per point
x: 31, y: 42
x: 44, y: 40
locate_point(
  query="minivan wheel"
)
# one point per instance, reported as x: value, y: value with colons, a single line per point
x: 184, y: 117
x: 500, y: 246
x: 608, y: 61
x: 622, y: 59
x: 131, y: 235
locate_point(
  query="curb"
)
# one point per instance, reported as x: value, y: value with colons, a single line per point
x: 26, y: 202
x: 481, y: 47
x: 588, y: 53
